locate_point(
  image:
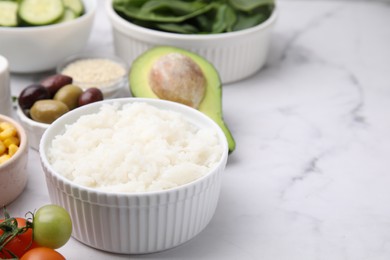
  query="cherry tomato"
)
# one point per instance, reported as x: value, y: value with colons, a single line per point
x: 52, y: 226
x: 19, y: 244
x: 42, y: 253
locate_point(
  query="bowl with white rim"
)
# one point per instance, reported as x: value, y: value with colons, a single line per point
x: 13, y: 171
x: 32, y: 49
x: 34, y: 129
x: 135, y: 222
x: 236, y: 55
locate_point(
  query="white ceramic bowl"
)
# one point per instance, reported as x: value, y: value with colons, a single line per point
x: 236, y: 55
x: 135, y: 223
x: 33, y: 128
x: 110, y: 89
x: 41, y: 48
x: 13, y: 173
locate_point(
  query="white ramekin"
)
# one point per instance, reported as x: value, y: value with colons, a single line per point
x: 135, y: 223
x: 236, y: 55
x: 40, y: 48
x: 33, y: 128
x: 13, y: 173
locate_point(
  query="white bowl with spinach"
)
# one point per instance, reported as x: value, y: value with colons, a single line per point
x: 233, y: 35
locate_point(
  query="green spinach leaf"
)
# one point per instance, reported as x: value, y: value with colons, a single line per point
x: 162, y: 11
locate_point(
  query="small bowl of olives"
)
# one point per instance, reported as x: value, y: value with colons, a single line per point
x: 34, y: 129
x: 40, y: 104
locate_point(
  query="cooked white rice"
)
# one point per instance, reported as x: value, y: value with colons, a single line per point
x: 134, y: 148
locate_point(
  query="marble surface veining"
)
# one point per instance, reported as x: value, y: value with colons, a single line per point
x: 310, y: 178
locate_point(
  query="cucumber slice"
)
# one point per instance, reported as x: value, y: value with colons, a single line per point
x: 75, y: 5
x: 8, y: 13
x: 67, y: 16
x: 40, y: 12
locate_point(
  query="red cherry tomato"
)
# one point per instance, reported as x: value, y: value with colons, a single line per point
x: 20, y: 244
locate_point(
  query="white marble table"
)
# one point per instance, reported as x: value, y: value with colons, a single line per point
x: 310, y: 179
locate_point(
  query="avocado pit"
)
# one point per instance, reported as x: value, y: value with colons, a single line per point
x: 178, y: 78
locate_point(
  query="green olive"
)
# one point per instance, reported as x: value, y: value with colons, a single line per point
x: 47, y: 110
x: 69, y: 95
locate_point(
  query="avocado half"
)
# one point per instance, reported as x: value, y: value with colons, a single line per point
x: 141, y: 81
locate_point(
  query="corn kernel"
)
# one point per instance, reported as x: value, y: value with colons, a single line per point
x: 12, y: 149
x: 4, y: 158
x: 5, y: 125
x: 9, y: 132
x: 11, y: 140
x: 3, y: 148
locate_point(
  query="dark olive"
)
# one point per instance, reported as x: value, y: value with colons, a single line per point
x: 90, y: 95
x: 55, y: 82
x: 69, y: 95
x: 32, y: 93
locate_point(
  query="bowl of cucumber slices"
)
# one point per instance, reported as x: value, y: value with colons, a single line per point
x: 36, y: 35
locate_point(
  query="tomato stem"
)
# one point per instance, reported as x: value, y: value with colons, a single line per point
x: 10, y: 229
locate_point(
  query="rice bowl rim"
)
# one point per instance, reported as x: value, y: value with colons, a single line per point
x: 191, y: 115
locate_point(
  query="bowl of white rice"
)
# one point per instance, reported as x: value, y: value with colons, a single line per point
x: 136, y: 175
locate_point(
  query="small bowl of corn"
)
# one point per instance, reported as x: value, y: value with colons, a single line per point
x: 13, y: 160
